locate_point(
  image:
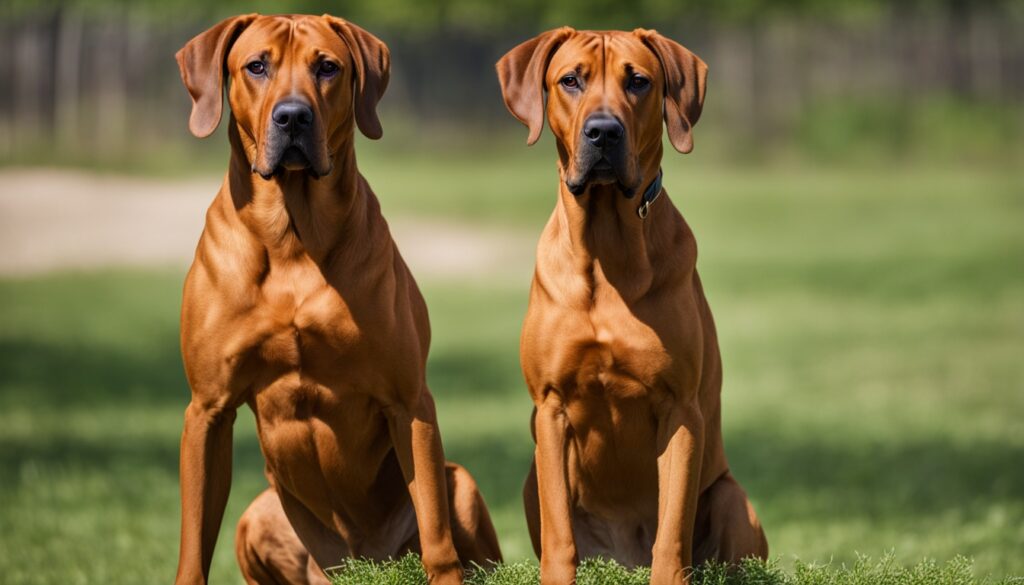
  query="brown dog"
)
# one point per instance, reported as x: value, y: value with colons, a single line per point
x: 299, y: 305
x: 618, y: 348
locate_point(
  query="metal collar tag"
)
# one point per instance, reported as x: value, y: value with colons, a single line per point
x: 650, y: 196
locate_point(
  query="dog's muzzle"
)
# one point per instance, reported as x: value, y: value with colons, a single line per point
x: 290, y: 144
x: 601, y: 154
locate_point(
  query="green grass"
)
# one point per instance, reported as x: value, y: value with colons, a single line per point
x: 872, y: 324
x: 864, y: 571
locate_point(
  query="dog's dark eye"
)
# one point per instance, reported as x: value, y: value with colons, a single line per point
x: 327, y: 69
x: 257, y: 68
x: 569, y: 82
x: 638, y: 82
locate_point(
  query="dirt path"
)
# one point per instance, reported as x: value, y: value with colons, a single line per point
x: 58, y: 219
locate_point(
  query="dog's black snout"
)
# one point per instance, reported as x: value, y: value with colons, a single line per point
x: 293, y: 117
x: 603, y: 130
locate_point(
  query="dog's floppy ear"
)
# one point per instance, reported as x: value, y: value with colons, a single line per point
x: 685, y: 77
x: 372, y: 62
x: 201, y: 61
x: 521, y: 73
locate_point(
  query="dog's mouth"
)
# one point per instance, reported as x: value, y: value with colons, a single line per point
x: 602, y: 167
x: 601, y: 172
x: 293, y: 157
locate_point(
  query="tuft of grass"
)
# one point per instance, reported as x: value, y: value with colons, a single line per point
x: 864, y: 571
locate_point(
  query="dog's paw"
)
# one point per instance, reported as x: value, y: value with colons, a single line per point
x: 557, y: 573
x: 449, y: 575
x: 669, y: 575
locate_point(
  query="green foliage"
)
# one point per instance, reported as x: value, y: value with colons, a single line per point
x: 865, y: 571
x: 483, y: 15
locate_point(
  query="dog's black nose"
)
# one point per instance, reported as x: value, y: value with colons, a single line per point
x: 603, y: 130
x: 292, y: 116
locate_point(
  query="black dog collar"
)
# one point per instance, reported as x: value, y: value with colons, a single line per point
x: 650, y: 196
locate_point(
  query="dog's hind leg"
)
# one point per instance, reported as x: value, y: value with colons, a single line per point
x: 472, y: 531
x: 727, y: 529
x: 268, y: 549
x: 531, y: 503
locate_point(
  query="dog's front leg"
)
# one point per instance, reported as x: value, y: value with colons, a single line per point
x: 417, y: 441
x: 680, y: 450
x: 205, y: 485
x: 558, y: 557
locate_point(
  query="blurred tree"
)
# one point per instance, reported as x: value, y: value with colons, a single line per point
x: 87, y: 75
x: 418, y: 15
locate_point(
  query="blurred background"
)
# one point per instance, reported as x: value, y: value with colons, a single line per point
x: 857, y: 190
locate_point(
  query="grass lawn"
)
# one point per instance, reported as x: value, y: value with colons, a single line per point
x: 872, y: 328
x: 863, y: 571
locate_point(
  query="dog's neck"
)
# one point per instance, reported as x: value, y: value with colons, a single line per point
x: 294, y: 213
x: 602, y: 236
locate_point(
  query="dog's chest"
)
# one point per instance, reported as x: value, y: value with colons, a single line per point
x: 297, y: 327
x: 604, y: 351
x: 305, y: 321
x: 308, y: 367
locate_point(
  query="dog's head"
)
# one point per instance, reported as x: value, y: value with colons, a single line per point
x: 296, y: 83
x: 607, y: 93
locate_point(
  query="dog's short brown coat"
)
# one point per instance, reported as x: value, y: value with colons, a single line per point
x: 618, y: 347
x: 299, y: 305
